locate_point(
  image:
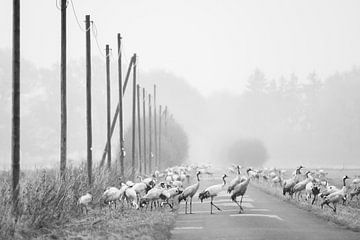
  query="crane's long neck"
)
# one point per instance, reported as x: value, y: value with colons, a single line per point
x: 344, y: 182
x: 238, y: 169
x: 198, y: 177
x: 224, y: 180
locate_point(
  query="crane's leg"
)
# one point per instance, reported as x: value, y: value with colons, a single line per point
x: 186, y: 206
x: 211, y: 208
x: 234, y: 200
x: 214, y: 204
x: 191, y: 205
x: 241, y: 202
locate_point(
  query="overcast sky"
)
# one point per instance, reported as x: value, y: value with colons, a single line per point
x: 214, y: 45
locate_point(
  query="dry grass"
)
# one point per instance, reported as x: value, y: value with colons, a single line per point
x: 347, y: 215
x: 48, y: 209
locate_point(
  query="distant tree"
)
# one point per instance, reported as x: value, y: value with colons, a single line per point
x: 174, y: 145
x: 248, y: 152
x: 257, y: 82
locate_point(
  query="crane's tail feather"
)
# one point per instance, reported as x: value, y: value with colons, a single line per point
x: 203, y: 195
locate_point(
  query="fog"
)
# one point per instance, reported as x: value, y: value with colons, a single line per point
x: 282, y: 79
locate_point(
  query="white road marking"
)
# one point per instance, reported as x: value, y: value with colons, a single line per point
x: 222, y: 200
x: 223, y: 210
x: 257, y: 215
x: 230, y: 204
x: 188, y: 228
x: 215, y: 210
x: 259, y: 210
x: 188, y: 220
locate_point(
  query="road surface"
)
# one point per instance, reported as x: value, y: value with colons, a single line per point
x: 265, y: 217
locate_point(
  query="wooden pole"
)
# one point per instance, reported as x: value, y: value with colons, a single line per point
x: 15, y: 128
x: 117, y: 111
x: 88, y: 100
x: 133, y: 122
x: 144, y: 130
x: 165, y: 120
x: 121, y: 126
x: 63, y: 114
x: 159, y: 154
x: 155, y: 132
x: 150, y: 138
x: 108, y: 104
x: 139, y: 127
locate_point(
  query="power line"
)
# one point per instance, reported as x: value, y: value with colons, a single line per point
x: 77, y: 19
x: 95, y: 32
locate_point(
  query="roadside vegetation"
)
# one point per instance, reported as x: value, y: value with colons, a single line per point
x: 48, y: 209
x: 347, y: 215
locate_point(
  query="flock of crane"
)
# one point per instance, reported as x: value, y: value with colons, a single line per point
x: 309, y: 185
x: 167, y: 188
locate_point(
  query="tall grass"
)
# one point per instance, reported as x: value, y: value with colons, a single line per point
x: 45, y: 200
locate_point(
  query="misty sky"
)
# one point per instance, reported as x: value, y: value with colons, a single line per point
x: 214, y: 45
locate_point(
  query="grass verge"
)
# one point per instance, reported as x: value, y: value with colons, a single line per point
x: 48, y: 209
x: 346, y: 216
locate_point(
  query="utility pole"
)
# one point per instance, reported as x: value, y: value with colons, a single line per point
x: 144, y: 126
x: 113, y: 123
x: 160, y: 117
x: 155, y: 131
x: 150, y: 137
x: 121, y: 128
x: 133, y: 121
x: 63, y: 114
x: 15, y: 129
x: 165, y: 118
x: 88, y: 100
x: 139, y: 126
x: 108, y: 104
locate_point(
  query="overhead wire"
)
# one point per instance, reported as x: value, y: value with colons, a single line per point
x: 77, y: 19
x: 95, y: 34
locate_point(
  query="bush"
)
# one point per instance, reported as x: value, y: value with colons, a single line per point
x: 247, y: 152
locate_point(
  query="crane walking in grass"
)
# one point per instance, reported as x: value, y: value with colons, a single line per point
x: 336, y: 197
x: 212, y: 192
x: 84, y: 201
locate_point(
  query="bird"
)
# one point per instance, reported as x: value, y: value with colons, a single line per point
x: 141, y: 188
x: 189, y: 192
x: 152, y: 196
x: 300, y: 186
x: 240, y: 190
x: 354, y: 192
x: 113, y: 194
x: 84, y: 201
x: 131, y: 197
x: 335, y: 197
x: 235, y: 181
x: 356, y: 181
x: 289, y: 184
x: 212, y: 192
x: 328, y: 189
x: 168, y: 194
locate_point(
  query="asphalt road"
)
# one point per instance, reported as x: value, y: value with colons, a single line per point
x: 265, y: 217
